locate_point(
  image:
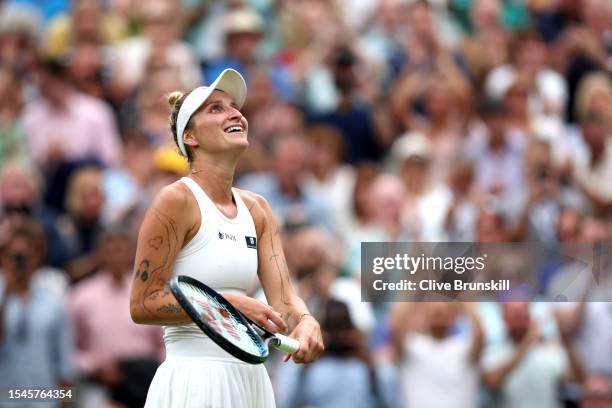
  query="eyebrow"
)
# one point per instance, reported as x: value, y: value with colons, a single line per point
x: 219, y: 101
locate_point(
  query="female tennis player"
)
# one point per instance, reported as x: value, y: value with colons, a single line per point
x: 202, y: 227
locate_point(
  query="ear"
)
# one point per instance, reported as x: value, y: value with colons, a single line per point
x: 189, y: 139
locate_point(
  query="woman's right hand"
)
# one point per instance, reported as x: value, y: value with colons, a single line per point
x: 259, y: 312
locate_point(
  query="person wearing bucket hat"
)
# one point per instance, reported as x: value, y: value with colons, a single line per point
x: 181, y: 235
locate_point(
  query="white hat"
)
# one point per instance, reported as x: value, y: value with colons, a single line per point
x: 243, y: 20
x: 409, y: 145
x: 229, y: 81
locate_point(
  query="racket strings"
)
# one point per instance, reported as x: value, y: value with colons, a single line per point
x: 223, y: 320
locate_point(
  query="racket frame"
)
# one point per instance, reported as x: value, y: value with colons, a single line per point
x: 221, y: 341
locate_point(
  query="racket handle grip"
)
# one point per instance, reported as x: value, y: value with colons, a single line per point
x: 285, y: 343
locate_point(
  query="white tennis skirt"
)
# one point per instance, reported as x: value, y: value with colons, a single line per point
x: 184, y: 380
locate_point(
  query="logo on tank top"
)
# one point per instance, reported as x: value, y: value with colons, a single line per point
x: 225, y: 235
x: 251, y: 242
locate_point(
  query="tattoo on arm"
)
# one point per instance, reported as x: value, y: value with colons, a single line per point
x: 156, y: 242
x: 143, y: 270
x: 170, y: 308
x: 281, y: 267
x: 168, y: 245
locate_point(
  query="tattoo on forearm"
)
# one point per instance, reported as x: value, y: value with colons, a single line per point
x: 168, y: 245
x: 170, y: 308
x: 281, y: 267
x: 166, y: 290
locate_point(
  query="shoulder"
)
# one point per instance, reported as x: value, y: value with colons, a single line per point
x: 173, y: 197
x: 258, y: 206
x: 256, y: 203
x: 175, y: 203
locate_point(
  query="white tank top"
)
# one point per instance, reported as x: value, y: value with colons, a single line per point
x: 223, y: 255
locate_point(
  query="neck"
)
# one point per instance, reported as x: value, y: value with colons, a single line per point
x: 215, y: 178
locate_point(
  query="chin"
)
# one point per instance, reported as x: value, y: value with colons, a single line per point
x: 239, y: 145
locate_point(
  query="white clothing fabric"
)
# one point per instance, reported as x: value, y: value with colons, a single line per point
x: 439, y: 373
x: 200, y: 382
x: 534, y: 382
x: 197, y: 372
x: 550, y: 94
x: 596, y: 179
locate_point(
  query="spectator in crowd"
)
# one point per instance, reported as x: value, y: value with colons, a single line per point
x: 87, y: 23
x: 124, y: 186
x: 111, y: 350
x: 545, y: 88
x: 523, y: 371
x: 594, y: 95
x: 87, y: 70
x: 590, y: 170
x: 360, y: 214
x: 160, y: 44
x: 18, y: 39
x: 328, y: 175
x: 81, y: 226
x: 443, y: 98
x: 284, y: 187
x: 460, y: 219
x: 439, y: 366
x: 499, y: 156
x: 427, y: 198
x: 487, y: 46
x: 538, y: 219
x: 352, y: 115
x: 35, y: 335
x: 21, y: 197
x: 385, y: 198
x: 64, y: 115
x: 152, y: 111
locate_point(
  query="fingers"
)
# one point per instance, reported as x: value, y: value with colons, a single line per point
x: 269, y: 319
x: 276, y: 318
x: 310, y: 349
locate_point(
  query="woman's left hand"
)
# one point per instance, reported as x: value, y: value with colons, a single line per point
x: 308, y: 333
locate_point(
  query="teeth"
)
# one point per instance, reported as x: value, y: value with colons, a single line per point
x: 234, y: 129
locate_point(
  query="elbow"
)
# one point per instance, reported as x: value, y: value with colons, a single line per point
x: 136, y: 313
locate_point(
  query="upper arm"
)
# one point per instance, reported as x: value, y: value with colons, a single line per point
x: 163, y: 232
x: 271, y: 264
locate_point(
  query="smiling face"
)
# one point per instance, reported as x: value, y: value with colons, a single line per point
x: 217, y: 126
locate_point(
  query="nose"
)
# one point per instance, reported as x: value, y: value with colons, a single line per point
x: 235, y: 113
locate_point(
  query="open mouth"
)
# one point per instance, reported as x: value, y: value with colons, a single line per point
x: 234, y: 129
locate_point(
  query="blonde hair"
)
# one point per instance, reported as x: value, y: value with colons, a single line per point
x: 25, y: 168
x: 589, y: 86
x: 175, y: 100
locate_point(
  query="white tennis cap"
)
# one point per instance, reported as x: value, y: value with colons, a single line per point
x: 229, y: 81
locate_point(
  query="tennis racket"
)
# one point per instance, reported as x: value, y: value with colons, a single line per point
x: 225, y: 325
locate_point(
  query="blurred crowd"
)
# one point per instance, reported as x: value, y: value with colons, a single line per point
x: 369, y: 120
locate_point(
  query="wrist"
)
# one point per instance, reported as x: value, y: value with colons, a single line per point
x: 306, y: 316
